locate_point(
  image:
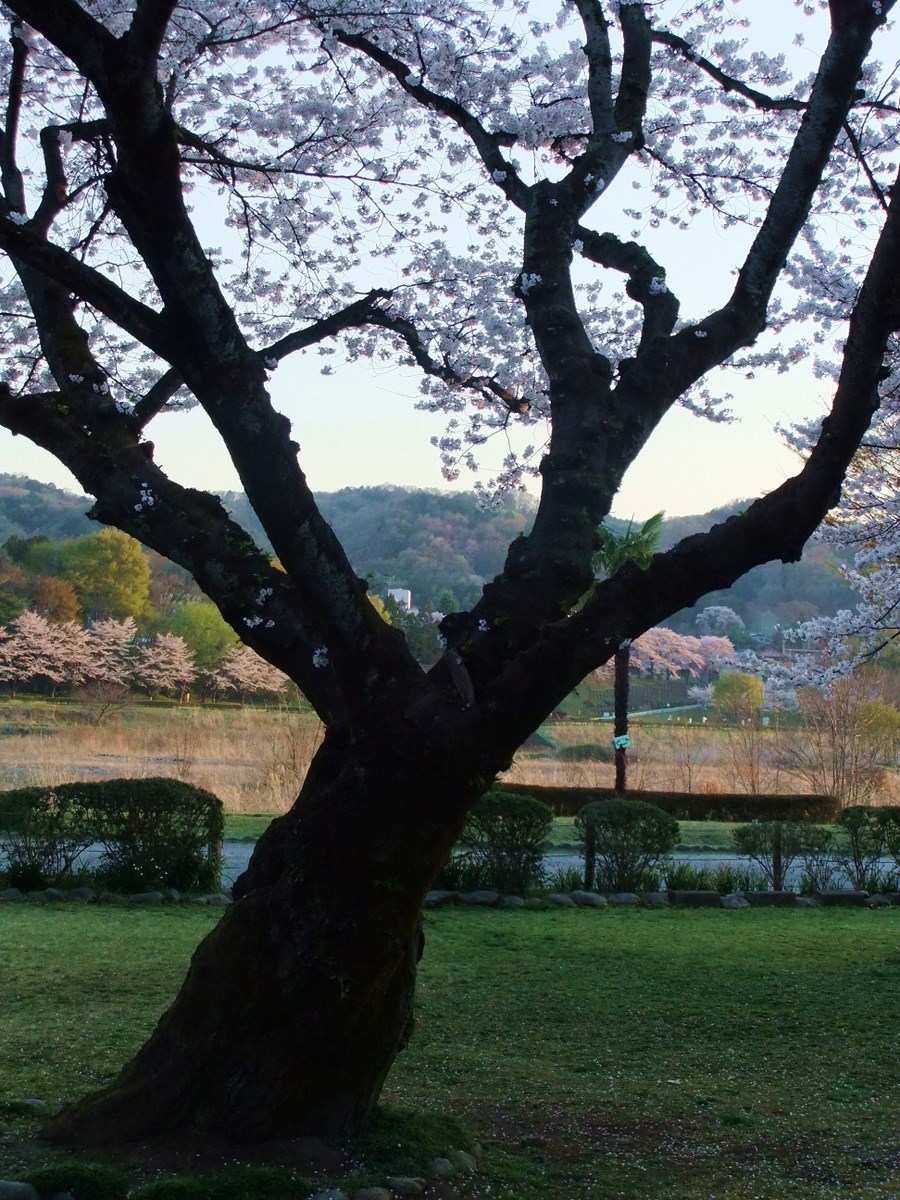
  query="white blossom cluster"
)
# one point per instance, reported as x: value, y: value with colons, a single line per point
x: 316, y: 174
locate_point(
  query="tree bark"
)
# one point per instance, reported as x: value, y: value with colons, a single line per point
x: 297, y: 1003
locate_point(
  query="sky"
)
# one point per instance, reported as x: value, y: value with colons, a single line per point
x: 360, y: 427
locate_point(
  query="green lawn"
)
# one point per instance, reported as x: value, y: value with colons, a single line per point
x: 618, y: 1055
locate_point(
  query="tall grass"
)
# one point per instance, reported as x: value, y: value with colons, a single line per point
x: 254, y: 759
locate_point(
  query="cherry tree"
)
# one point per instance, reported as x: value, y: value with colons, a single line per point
x: 477, y: 167
x: 246, y: 672
x: 165, y: 665
x: 662, y: 651
x: 112, y: 650
x: 35, y: 651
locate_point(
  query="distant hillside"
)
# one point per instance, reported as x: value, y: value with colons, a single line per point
x: 28, y: 508
x: 431, y: 542
x: 443, y: 547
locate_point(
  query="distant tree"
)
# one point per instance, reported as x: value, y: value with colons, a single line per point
x: 849, y: 736
x: 739, y: 698
x: 165, y: 665
x: 37, y: 653
x: 56, y: 599
x: 717, y: 652
x: 15, y: 591
x: 170, y: 585
x: 738, y: 695
x: 721, y: 621
x: 20, y: 549
x: 245, y: 673
x: 661, y: 651
x: 112, y: 649
x: 446, y: 602
x: 110, y: 572
x: 615, y: 551
x: 205, y: 632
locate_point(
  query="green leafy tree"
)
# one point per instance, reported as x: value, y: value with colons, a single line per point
x: 110, y: 573
x: 205, y: 632
x: 738, y: 695
x: 635, y: 546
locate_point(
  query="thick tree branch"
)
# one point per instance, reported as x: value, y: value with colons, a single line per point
x: 66, y: 24
x: 599, y: 58
x: 25, y: 245
x: 148, y: 28
x: 487, y: 145
x: 646, y: 279
x: 776, y: 526
x: 729, y: 83
x: 360, y: 312
x: 155, y: 400
x: 9, y: 171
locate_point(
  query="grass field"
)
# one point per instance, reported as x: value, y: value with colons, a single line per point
x: 622, y: 1055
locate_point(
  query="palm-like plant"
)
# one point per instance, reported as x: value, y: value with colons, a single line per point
x: 615, y: 550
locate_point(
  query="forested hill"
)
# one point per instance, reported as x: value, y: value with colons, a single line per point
x: 431, y: 542
x: 442, y: 546
x: 28, y: 508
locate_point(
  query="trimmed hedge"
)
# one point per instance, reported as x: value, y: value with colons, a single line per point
x: 504, y: 841
x: 155, y: 832
x: 623, y: 843
x: 692, y: 806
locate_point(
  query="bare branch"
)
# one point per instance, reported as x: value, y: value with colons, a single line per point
x: 67, y: 25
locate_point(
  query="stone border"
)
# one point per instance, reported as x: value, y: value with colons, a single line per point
x: 666, y: 899
x: 88, y: 895
x: 491, y: 899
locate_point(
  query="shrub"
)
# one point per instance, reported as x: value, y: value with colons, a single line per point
x: 463, y: 873
x: 859, y: 846
x: 155, y: 833
x: 505, y: 836
x: 51, y: 832
x: 694, y: 806
x: 724, y: 878
x: 564, y: 879
x: 889, y: 820
x: 159, y: 833
x: 773, y: 846
x: 817, y: 856
x: 623, y: 842
x: 84, y: 1181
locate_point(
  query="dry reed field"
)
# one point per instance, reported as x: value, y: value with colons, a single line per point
x: 251, y: 758
x: 254, y: 758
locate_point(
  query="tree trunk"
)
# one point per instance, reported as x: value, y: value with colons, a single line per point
x: 298, y: 1002
x: 621, y: 685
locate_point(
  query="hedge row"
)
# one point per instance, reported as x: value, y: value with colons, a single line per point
x: 154, y: 832
x: 692, y: 806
